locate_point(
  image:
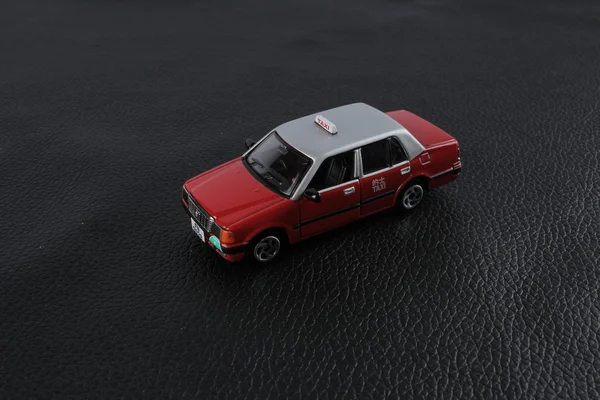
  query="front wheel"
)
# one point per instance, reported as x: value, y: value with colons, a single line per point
x: 411, y: 196
x: 265, y: 248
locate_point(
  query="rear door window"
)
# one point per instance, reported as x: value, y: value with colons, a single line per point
x: 374, y: 156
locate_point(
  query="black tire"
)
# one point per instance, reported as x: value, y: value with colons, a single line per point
x: 266, y: 247
x: 412, y: 195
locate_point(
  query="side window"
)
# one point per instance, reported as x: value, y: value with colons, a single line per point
x: 397, y: 153
x: 334, y: 171
x: 374, y: 156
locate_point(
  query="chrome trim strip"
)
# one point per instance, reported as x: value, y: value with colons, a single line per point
x: 338, y: 186
x: 385, y: 169
x: 357, y: 163
x: 322, y: 217
x: 441, y: 173
x: 378, y: 197
x: 381, y: 171
x: 400, y: 163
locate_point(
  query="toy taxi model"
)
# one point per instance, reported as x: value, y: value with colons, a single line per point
x: 317, y: 173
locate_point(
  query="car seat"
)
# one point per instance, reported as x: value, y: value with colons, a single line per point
x: 336, y: 173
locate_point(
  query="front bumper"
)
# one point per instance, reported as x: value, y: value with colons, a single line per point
x: 456, y: 170
x: 228, y: 252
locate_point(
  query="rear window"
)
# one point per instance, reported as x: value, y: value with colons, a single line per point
x: 397, y: 153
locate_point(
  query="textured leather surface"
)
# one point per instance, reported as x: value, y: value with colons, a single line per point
x: 490, y: 289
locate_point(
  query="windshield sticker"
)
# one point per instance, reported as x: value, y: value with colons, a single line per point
x: 378, y: 184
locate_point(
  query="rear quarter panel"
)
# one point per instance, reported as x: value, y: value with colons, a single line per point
x: 437, y: 163
x: 441, y: 154
x: 424, y: 131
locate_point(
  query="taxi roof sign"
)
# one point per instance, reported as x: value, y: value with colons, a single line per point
x: 326, y: 124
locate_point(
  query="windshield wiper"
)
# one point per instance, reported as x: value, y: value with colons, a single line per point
x: 268, y: 175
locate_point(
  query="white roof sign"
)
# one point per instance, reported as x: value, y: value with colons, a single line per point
x: 326, y: 124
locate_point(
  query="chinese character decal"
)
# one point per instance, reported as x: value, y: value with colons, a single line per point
x: 378, y: 184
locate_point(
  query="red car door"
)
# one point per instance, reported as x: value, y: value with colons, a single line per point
x: 339, y: 192
x: 385, y: 168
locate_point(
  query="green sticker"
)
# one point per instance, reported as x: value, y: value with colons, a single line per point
x: 216, y: 242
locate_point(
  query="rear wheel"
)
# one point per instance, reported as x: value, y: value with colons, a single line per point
x: 411, y: 196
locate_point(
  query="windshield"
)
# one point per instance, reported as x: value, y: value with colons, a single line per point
x: 279, y: 165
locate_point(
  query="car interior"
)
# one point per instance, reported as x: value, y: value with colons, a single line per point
x: 334, y: 171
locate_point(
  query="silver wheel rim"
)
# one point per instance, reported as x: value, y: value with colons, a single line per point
x: 412, y: 197
x: 267, y: 248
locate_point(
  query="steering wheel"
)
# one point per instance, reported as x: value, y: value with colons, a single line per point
x: 283, y: 164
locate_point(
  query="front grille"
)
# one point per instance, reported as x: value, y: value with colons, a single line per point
x: 200, y: 214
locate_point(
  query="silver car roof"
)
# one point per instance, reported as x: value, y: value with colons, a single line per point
x: 357, y: 124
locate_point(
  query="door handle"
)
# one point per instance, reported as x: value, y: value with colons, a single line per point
x: 349, y: 190
x: 405, y: 171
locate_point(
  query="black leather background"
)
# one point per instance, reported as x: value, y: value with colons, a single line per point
x: 490, y: 289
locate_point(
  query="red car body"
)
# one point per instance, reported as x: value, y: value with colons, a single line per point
x: 244, y: 207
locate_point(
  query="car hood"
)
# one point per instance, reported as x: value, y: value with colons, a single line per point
x: 230, y: 193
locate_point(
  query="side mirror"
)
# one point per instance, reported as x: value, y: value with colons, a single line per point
x: 250, y: 143
x: 313, y: 195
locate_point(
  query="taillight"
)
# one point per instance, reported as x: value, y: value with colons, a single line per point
x: 458, y: 153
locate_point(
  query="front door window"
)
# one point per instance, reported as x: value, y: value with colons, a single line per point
x: 334, y: 171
